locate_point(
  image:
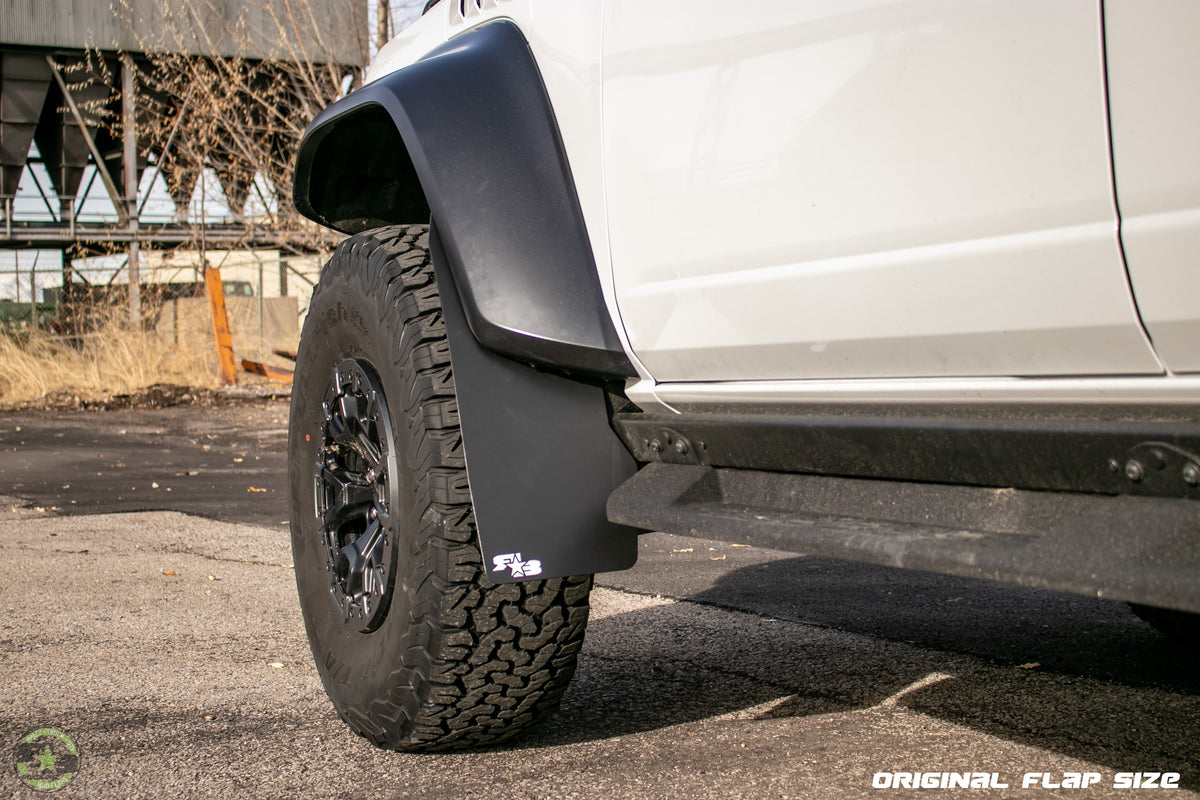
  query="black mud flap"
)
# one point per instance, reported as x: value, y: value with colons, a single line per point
x: 541, y: 459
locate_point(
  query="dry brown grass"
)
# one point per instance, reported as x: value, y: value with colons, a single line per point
x: 116, y: 359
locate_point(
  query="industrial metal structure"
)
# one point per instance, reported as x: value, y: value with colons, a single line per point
x: 73, y: 97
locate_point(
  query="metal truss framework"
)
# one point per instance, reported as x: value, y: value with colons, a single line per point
x: 53, y: 98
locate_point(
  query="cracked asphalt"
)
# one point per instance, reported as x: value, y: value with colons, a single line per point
x: 150, y: 613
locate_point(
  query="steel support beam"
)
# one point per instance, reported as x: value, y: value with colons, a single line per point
x: 129, y: 140
x: 165, y: 155
x: 113, y: 193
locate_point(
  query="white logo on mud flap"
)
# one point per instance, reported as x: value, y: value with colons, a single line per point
x: 520, y: 569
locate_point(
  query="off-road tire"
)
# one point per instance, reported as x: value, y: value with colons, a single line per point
x: 455, y: 660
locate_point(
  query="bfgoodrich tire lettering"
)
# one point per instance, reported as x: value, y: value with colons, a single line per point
x: 439, y: 656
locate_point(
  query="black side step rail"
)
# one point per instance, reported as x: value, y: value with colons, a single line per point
x: 1137, y: 455
x: 1138, y: 549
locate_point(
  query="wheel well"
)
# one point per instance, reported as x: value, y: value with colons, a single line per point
x: 362, y: 176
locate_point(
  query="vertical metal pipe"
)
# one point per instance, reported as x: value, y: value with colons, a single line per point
x: 129, y: 135
x: 64, y: 297
x: 262, y: 304
x: 33, y: 310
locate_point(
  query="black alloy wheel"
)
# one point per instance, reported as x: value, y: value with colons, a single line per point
x: 354, y: 493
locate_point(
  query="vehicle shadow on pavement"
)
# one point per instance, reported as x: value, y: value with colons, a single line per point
x: 1075, y: 676
x: 1005, y: 624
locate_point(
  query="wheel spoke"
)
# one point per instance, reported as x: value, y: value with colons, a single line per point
x: 346, y: 498
x: 368, y: 545
x: 350, y: 409
x: 358, y: 561
x: 369, y: 452
x: 350, y: 428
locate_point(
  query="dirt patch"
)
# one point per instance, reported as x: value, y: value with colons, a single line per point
x: 159, y: 395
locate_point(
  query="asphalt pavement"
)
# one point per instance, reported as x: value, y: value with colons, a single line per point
x: 150, y: 614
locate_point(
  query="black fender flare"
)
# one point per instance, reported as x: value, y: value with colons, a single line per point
x: 467, y: 135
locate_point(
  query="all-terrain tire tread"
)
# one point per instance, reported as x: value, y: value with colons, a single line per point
x: 480, y: 662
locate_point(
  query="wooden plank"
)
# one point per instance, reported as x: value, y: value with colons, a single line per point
x: 267, y: 371
x: 220, y: 320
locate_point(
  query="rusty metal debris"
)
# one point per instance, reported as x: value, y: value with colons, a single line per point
x: 266, y: 370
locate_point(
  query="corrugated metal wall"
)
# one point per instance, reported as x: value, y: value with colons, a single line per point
x: 313, y: 30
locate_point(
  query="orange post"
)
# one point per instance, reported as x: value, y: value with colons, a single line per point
x: 220, y: 320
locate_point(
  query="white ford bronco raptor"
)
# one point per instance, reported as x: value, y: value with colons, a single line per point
x: 908, y: 282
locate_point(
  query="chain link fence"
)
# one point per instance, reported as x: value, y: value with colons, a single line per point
x: 266, y: 292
